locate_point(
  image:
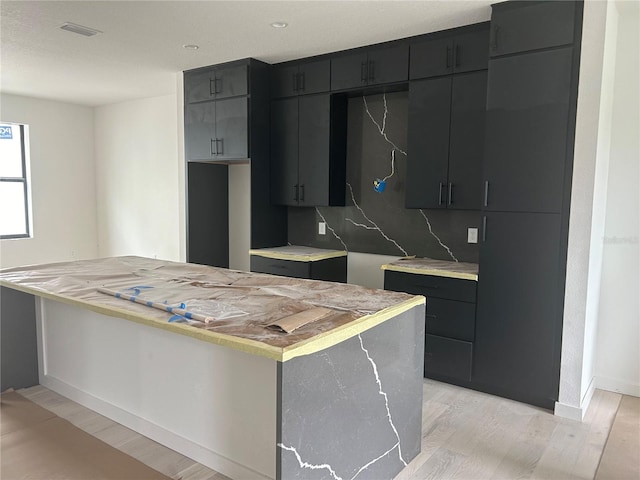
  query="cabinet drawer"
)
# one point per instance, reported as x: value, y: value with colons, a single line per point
x: 431, y: 286
x: 447, y: 357
x: 450, y: 318
x: 287, y: 268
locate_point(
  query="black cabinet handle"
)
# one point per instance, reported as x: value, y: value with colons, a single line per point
x: 494, y: 37
x: 294, y: 77
x: 219, y: 151
x: 456, y: 56
x: 363, y: 72
x: 431, y: 315
x: 484, y: 228
x: 295, y: 192
x: 213, y: 86
x: 372, y: 70
x: 301, y: 84
x: 450, y: 201
x: 302, y: 192
x: 485, y: 202
x: 213, y: 147
x: 440, y: 194
x: 448, y: 56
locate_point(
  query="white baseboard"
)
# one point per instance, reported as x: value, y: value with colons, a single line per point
x: 576, y: 413
x: 617, y: 385
x: 161, y: 435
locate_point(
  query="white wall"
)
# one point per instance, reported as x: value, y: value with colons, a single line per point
x: 62, y: 182
x: 588, y: 203
x: 139, y: 178
x: 618, y: 348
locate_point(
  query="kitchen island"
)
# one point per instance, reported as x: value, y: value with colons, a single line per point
x: 289, y: 378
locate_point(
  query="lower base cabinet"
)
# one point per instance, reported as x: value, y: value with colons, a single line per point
x: 447, y: 357
x: 330, y: 269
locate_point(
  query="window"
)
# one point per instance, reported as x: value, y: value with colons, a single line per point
x: 14, y: 190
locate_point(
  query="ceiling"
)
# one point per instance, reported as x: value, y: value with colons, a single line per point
x: 141, y: 47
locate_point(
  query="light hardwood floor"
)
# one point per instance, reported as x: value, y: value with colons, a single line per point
x: 465, y: 435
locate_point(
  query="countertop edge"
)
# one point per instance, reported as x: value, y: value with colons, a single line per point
x: 252, y: 347
x: 431, y: 271
x: 297, y: 258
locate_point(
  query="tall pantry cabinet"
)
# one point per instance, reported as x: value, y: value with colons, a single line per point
x: 530, y: 123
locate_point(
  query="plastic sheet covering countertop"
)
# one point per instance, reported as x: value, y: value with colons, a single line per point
x: 439, y: 268
x: 242, y: 303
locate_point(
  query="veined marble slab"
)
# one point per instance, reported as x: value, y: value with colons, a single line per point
x: 429, y: 266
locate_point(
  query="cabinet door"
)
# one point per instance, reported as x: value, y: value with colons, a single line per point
x: 519, y: 309
x: 431, y: 58
x: 199, y: 131
x: 526, y: 135
x: 524, y: 26
x: 199, y: 86
x: 314, y: 118
x: 388, y: 65
x: 349, y: 71
x: 284, y: 81
x: 230, y: 81
x: 466, y: 147
x: 314, y: 77
x: 428, y: 143
x: 231, y: 139
x: 446, y: 357
x: 284, y: 151
x: 471, y: 51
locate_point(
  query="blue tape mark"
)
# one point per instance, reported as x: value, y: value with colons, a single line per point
x: 117, y: 295
x: 132, y: 298
x: 183, y: 306
x: 170, y: 309
x: 149, y: 304
x: 188, y: 315
x: 177, y: 318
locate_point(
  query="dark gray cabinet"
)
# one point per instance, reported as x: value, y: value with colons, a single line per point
x: 330, y: 269
x: 217, y: 130
x: 450, y: 322
x: 518, y: 332
x: 308, y: 150
x: 368, y: 67
x: 463, y: 52
x: 300, y: 78
x: 215, y: 83
x: 527, y: 131
x: 446, y: 141
x: 523, y: 26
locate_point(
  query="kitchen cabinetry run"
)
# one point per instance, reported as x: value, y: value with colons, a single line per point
x: 301, y: 262
x: 443, y: 55
x: 450, y: 321
x: 215, y: 83
x: 308, y: 150
x: 298, y: 78
x: 375, y: 66
x: 446, y: 141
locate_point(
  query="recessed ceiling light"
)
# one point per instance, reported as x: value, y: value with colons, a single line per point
x: 191, y: 47
x: 79, y: 29
x: 279, y: 24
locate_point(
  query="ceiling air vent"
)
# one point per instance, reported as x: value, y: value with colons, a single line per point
x: 79, y: 29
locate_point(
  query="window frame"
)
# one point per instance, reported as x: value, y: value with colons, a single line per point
x: 25, y: 184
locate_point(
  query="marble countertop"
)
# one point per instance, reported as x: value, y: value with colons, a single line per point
x: 440, y: 268
x: 241, y: 304
x: 298, y: 253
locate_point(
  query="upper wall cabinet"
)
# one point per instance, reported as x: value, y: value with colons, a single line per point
x: 289, y: 79
x: 215, y: 83
x: 372, y: 67
x: 464, y: 52
x: 525, y: 25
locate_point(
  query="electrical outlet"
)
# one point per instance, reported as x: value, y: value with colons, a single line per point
x: 322, y: 230
x: 472, y: 235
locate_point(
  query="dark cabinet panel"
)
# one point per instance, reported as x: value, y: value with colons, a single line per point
x: 314, y: 118
x: 428, y: 143
x: 207, y: 214
x: 375, y: 67
x: 446, y: 357
x: 464, y: 52
x: 446, y: 141
x: 527, y: 124
x: 523, y: 26
x: 330, y: 270
x: 518, y: 324
x: 300, y: 78
x: 450, y: 318
x: 431, y: 286
x: 349, y: 71
x: 199, y: 130
x: 215, y: 83
x: 466, y: 146
x: 284, y: 152
x: 231, y: 128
